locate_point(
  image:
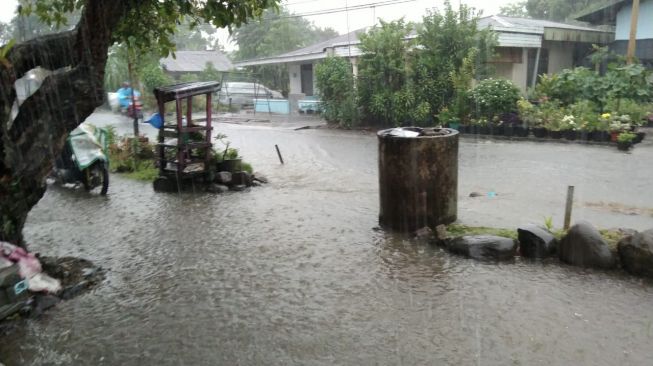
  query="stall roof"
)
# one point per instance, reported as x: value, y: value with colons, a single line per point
x: 183, y: 90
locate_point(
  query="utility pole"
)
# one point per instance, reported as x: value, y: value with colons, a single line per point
x: 632, y: 40
x: 131, y: 85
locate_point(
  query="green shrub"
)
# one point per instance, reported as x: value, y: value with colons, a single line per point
x: 569, y: 85
x: 335, y: 86
x: 637, y: 111
x: 493, y: 97
x: 586, y: 115
x: 619, y: 82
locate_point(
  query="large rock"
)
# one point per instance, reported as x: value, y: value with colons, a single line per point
x: 535, y: 241
x: 223, y: 178
x: 483, y: 247
x: 216, y: 188
x: 584, y: 246
x: 636, y: 253
x: 241, y: 178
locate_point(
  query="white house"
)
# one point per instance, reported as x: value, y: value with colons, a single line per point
x: 524, y: 45
x: 618, y: 14
x: 530, y: 47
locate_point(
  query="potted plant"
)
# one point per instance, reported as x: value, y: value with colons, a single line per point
x: 569, y: 127
x: 228, y: 160
x: 481, y: 125
x: 448, y: 119
x: 625, y: 140
x: 619, y: 124
x: 496, y: 126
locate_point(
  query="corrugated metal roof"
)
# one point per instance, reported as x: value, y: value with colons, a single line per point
x: 519, y: 40
x: 519, y: 32
x: 527, y: 25
x: 195, y: 61
x: 312, y: 52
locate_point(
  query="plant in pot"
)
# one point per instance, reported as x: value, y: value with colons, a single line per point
x: 625, y: 140
x: 448, y: 118
x: 496, y: 126
x: 482, y: 126
x: 600, y: 129
x: 569, y: 126
x: 228, y: 159
x: 555, y: 129
x: 585, y: 114
x: 618, y: 125
x: 530, y: 115
x: 513, y: 125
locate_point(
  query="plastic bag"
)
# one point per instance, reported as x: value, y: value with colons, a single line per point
x: 29, y: 266
x: 42, y: 282
x: 156, y: 121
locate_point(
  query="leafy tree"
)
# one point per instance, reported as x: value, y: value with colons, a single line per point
x: 277, y: 33
x: 210, y: 73
x: 195, y: 38
x: 556, y: 10
x: 274, y: 34
x: 66, y: 98
x: 515, y: 10
x: 5, y: 33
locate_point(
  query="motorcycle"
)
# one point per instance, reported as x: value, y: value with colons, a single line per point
x: 130, y: 106
x: 85, y: 159
x: 135, y: 108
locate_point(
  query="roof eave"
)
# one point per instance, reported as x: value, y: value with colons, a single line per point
x: 599, y: 14
x: 282, y: 59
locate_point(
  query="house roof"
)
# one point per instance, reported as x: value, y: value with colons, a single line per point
x: 603, y: 12
x: 313, y: 52
x: 526, y: 32
x: 527, y: 25
x: 195, y: 61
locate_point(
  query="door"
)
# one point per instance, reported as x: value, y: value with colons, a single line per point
x: 307, y: 79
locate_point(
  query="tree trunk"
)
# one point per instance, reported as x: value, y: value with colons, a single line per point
x: 34, y: 134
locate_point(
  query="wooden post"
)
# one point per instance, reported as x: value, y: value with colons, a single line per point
x: 568, y: 206
x: 632, y: 40
x: 279, y: 153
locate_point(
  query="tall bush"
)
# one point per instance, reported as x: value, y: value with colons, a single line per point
x: 385, y: 97
x: 335, y: 87
x: 452, y: 50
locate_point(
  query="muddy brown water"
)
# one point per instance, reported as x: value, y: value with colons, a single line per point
x: 296, y: 272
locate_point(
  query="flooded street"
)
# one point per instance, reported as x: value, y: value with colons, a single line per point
x: 297, y: 272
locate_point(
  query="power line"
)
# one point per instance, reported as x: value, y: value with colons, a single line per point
x: 343, y: 9
x: 300, y: 2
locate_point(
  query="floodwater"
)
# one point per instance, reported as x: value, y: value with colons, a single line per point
x: 297, y: 272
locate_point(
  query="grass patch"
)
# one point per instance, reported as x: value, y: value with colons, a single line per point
x: 143, y: 170
x: 461, y: 230
x: 612, y: 237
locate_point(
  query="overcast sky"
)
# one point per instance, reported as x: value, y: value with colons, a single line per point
x: 341, y: 21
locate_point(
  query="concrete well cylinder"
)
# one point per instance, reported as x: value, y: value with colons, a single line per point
x: 418, y: 177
